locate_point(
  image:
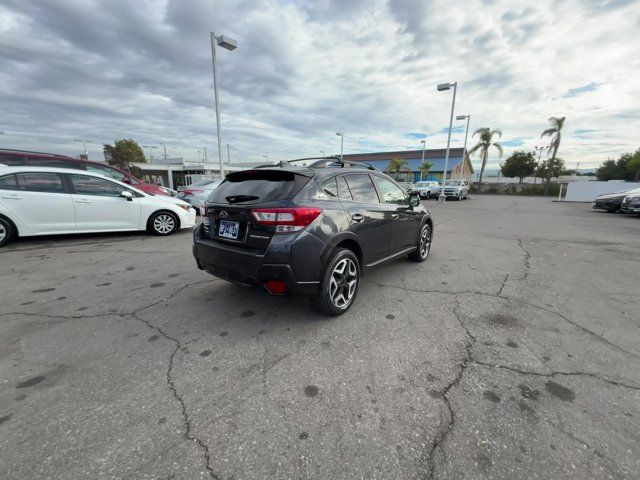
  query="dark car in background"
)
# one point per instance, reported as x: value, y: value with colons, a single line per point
x: 631, y: 202
x: 611, y: 202
x: 309, y: 231
x: 24, y: 158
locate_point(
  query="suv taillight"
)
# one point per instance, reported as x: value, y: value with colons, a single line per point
x: 191, y: 192
x: 286, y: 219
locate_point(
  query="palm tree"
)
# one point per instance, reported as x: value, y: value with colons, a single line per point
x: 424, y: 169
x: 396, y: 165
x: 555, y: 133
x: 485, y: 142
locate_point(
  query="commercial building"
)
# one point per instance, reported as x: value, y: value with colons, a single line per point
x: 458, y: 166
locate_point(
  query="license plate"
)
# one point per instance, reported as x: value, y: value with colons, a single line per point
x: 229, y: 229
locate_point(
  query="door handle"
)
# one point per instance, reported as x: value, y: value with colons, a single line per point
x: 84, y: 201
x: 357, y: 217
x: 395, y: 216
x: 12, y: 197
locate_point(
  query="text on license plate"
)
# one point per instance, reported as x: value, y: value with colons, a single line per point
x: 229, y: 229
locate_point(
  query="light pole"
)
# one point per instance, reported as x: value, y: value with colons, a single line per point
x: 341, y: 143
x: 424, y: 146
x: 229, y: 44
x: 322, y: 152
x: 539, y: 150
x: 165, y: 150
x: 84, y: 142
x: 150, y: 147
x: 266, y: 157
x: 464, y: 150
x: 442, y: 87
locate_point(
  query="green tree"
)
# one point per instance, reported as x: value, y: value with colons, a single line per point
x: 397, y: 166
x: 626, y: 167
x: 520, y: 165
x: 634, y: 165
x: 424, y: 169
x: 551, y: 167
x: 122, y: 154
x: 485, y: 142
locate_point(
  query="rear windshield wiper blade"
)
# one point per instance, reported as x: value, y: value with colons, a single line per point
x: 240, y: 198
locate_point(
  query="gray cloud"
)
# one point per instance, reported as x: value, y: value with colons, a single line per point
x: 110, y: 69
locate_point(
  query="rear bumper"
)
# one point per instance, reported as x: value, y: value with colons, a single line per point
x: 247, y: 267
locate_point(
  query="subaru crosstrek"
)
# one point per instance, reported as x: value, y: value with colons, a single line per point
x: 309, y: 231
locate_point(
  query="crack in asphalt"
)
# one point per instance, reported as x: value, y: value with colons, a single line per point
x: 188, y: 432
x: 172, y: 386
x: 444, y: 430
x: 504, y: 284
x: 511, y: 299
x: 527, y: 260
x: 446, y: 426
x: 582, y: 442
x: 170, y: 381
x: 554, y: 373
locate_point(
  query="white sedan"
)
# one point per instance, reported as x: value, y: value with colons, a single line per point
x: 49, y: 201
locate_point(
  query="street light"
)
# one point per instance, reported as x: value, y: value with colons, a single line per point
x: 539, y: 150
x: 84, y: 142
x: 464, y: 150
x: 341, y: 143
x: 229, y: 44
x: 266, y: 157
x: 442, y: 87
x: 165, y: 150
x: 150, y: 147
x: 424, y: 145
x: 322, y: 152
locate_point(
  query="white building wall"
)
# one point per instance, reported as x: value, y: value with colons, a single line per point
x: 588, y: 191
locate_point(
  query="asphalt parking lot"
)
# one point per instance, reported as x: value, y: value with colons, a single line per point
x: 513, y: 352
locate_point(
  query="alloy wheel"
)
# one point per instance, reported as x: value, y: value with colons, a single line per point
x: 425, y: 241
x: 3, y: 232
x: 343, y: 283
x: 164, y: 224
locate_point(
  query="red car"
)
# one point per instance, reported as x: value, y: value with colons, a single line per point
x: 38, y: 159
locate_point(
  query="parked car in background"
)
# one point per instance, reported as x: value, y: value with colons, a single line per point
x: 49, y: 201
x: 309, y: 231
x: 408, y: 186
x: 427, y: 189
x: 631, y: 202
x: 198, y: 192
x: 25, y: 158
x: 458, y: 189
x: 611, y: 202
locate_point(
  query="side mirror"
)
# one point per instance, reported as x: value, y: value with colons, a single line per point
x: 126, y: 194
x: 126, y: 180
x: 414, y: 200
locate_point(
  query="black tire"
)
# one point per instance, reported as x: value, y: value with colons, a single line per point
x: 422, y: 252
x: 612, y: 210
x: 162, y: 223
x: 6, y: 231
x: 326, y: 301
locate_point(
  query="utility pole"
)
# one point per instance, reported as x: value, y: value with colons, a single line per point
x: 228, y: 155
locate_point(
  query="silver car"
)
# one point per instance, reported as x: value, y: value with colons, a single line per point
x: 198, y: 192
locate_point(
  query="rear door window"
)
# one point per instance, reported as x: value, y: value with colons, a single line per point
x: 40, y: 182
x: 8, y: 182
x: 86, y: 185
x: 330, y: 188
x: 362, y: 189
x: 343, y: 189
x: 389, y: 192
x: 258, y: 186
x: 106, y: 171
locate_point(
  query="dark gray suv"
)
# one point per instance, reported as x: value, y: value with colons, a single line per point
x: 309, y: 231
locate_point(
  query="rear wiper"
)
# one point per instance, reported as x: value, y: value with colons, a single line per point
x: 240, y: 198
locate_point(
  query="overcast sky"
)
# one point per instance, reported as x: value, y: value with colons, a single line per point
x: 104, y: 70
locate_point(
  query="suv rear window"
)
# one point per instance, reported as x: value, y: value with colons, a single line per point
x: 258, y: 186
